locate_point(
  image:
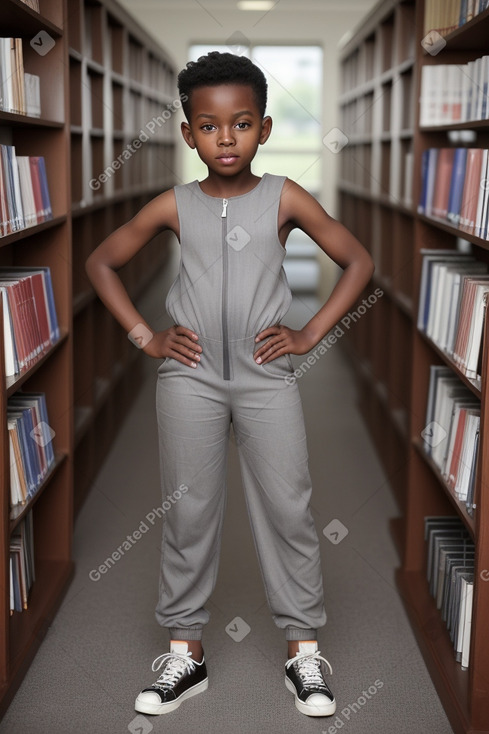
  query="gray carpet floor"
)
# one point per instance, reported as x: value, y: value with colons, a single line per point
x: 98, y: 652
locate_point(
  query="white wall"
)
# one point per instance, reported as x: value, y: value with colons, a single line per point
x: 177, y: 29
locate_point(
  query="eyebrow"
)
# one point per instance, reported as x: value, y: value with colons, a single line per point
x: 238, y: 114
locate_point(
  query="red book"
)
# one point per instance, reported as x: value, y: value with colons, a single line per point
x: 36, y: 187
x: 457, y: 448
x: 470, y: 198
x: 442, y: 183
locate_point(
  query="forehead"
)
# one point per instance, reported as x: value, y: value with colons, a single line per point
x: 222, y: 98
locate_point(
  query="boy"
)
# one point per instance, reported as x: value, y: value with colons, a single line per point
x: 230, y: 296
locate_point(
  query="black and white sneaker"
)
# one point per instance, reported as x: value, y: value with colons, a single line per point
x: 180, y: 678
x: 304, y: 677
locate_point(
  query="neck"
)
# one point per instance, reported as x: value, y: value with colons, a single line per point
x: 227, y: 186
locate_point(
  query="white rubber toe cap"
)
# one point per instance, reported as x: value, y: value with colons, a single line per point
x: 149, y: 697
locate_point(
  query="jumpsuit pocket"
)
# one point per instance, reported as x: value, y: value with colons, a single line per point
x: 280, y: 366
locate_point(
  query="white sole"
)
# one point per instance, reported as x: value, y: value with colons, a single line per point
x: 165, y: 708
x: 310, y: 710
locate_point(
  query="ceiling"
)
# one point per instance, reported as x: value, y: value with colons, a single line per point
x: 230, y: 5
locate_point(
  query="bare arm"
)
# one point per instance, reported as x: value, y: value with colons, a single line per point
x: 117, y: 250
x: 301, y: 209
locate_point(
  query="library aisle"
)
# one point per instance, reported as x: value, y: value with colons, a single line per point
x: 98, y: 652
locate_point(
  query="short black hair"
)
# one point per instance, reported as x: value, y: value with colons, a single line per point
x: 221, y: 68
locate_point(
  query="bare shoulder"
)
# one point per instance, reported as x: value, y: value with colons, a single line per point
x: 159, y: 213
x: 296, y: 203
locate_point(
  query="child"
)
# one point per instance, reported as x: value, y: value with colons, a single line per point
x: 227, y: 358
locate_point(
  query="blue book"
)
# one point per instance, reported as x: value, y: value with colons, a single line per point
x: 463, y: 13
x: 17, y: 416
x: 46, y: 201
x: 457, y: 186
x: 424, y: 181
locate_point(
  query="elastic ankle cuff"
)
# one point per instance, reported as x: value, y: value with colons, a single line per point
x: 185, y: 633
x: 296, y: 633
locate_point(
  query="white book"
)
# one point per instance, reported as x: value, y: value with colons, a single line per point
x: 8, y: 338
x: 33, y: 94
x: 482, y: 200
x: 446, y: 387
x: 467, y: 595
x: 477, y: 97
x: 453, y: 281
x: 472, y: 425
x: 474, y: 345
x: 27, y: 192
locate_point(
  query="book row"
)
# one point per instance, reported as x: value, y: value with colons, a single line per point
x: 452, y: 305
x: 451, y: 433
x: 445, y: 17
x: 24, y: 191
x: 455, y: 188
x: 453, y: 93
x: 34, y: 4
x: 450, y: 573
x: 20, y: 92
x: 30, y: 323
x: 30, y: 444
x: 22, y: 569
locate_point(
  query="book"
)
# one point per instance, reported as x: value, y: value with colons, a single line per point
x: 29, y: 314
x: 24, y: 191
x: 32, y: 452
x: 450, y: 574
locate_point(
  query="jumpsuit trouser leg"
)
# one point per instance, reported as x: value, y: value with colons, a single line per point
x: 194, y: 413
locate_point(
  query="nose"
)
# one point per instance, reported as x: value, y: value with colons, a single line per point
x: 226, y: 137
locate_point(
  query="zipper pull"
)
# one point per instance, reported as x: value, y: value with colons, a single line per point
x: 224, y: 207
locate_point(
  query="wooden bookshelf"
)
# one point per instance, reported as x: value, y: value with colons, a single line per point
x: 381, y: 73
x: 48, y: 244
x: 102, y: 82
x: 121, y: 81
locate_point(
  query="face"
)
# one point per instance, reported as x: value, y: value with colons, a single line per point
x: 226, y: 127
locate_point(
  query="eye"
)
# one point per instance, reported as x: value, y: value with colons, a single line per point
x: 242, y: 125
x: 207, y: 127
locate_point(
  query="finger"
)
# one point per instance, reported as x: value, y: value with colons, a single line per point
x: 189, y: 361
x: 270, y: 331
x: 182, y: 330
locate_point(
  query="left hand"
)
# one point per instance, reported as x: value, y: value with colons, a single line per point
x: 282, y: 340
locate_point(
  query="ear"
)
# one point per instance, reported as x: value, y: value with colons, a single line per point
x: 266, y: 129
x: 187, y: 135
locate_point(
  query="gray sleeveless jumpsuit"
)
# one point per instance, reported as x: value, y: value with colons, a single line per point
x: 231, y: 285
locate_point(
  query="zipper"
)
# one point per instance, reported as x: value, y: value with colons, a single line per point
x: 226, y: 370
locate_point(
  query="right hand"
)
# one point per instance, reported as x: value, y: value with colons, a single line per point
x: 177, y: 342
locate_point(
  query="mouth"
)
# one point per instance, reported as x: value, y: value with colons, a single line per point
x: 229, y: 158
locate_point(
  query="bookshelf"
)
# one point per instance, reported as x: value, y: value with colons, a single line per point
x: 102, y: 82
x: 122, y: 151
x: 47, y: 244
x: 381, y: 68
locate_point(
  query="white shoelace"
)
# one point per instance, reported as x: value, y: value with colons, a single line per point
x: 177, y: 664
x: 308, y: 667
